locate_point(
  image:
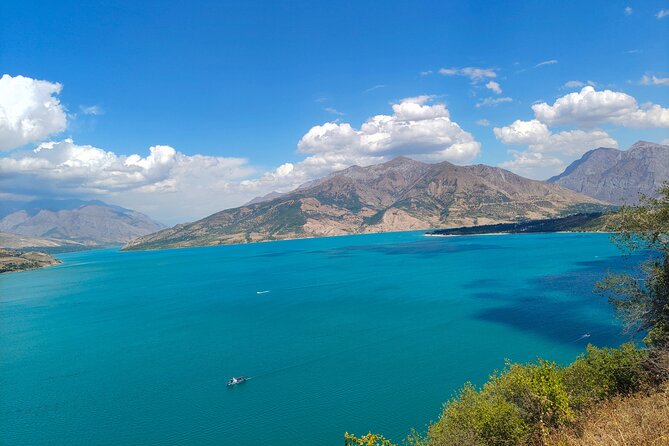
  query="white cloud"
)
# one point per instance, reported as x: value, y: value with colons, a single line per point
x: 483, y: 122
x: 492, y: 102
x: 165, y: 183
x: 334, y: 111
x: 546, y: 62
x: 91, y: 109
x: 533, y: 164
x: 426, y: 73
x: 473, y: 73
x: 628, y: 10
x: 416, y: 128
x: 662, y: 13
x: 494, y: 86
x: 29, y: 111
x: 590, y: 107
x: 574, y: 84
x: 654, y: 80
x: 174, y: 187
x: 546, y: 151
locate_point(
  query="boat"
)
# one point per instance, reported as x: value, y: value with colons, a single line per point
x: 237, y: 380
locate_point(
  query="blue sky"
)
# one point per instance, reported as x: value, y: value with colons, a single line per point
x: 246, y: 81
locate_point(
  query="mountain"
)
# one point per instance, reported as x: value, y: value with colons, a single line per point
x: 268, y: 197
x: 618, y: 176
x: 90, y: 223
x: 14, y: 241
x: 398, y: 195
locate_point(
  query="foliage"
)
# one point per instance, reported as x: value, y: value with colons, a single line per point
x: 643, y: 302
x: 369, y: 439
x: 523, y: 403
x: 603, y: 372
x: 478, y: 418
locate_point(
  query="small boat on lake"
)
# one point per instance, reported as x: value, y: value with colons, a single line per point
x: 237, y: 380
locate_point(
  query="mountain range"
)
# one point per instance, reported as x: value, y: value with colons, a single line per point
x: 401, y: 194
x: 50, y: 223
x: 618, y: 176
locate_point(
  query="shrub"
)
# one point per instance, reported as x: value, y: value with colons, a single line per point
x: 538, y: 391
x: 475, y: 418
x: 603, y: 372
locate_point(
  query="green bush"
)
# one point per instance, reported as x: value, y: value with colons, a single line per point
x: 478, y: 418
x: 537, y: 390
x: 524, y: 402
x: 603, y: 372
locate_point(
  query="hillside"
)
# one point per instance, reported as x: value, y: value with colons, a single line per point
x: 574, y: 223
x: 11, y: 260
x: 398, y: 195
x: 75, y: 221
x: 618, y: 176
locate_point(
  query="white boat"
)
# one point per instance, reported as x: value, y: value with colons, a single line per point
x: 236, y: 380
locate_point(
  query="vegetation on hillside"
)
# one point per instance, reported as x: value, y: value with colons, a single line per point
x: 12, y: 261
x: 607, y: 395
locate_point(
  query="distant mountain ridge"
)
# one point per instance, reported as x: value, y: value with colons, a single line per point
x: 73, y: 222
x: 401, y: 194
x: 618, y: 176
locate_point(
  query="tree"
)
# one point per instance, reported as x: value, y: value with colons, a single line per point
x: 643, y: 301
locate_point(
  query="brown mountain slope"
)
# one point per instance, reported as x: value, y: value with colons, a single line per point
x: 618, y: 176
x: 399, y: 195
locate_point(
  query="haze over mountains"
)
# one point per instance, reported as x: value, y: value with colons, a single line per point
x: 50, y: 223
x: 618, y: 176
x: 401, y: 194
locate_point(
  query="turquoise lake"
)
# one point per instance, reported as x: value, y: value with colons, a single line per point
x: 359, y: 333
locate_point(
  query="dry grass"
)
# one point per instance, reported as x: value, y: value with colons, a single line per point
x: 638, y: 420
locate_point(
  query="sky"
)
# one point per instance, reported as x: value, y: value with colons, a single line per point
x: 181, y: 109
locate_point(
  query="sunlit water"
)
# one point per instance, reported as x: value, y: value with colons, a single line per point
x: 370, y: 332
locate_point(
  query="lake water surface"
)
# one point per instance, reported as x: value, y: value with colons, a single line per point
x: 359, y: 333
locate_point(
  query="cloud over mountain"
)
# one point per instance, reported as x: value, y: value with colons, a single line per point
x: 590, y: 107
x: 548, y: 152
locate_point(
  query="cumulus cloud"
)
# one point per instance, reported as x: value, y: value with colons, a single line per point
x: 416, y: 127
x: 587, y: 109
x: 30, y: 111
x: 628, y: 10
x: 546, y: 151
x: 492, y: 102
x: 662, y: 13
x: 494, y: 87
x: 473, y: 73
x: 654, y: 80
x: 590, y: 107
x: 174, y: 187
x: 165, y: 183
x: 546, y: 62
